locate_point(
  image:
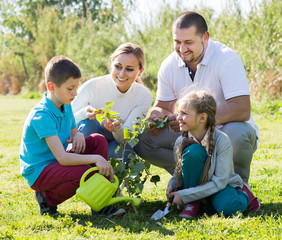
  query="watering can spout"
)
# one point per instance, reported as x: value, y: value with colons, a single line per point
x: 135, y: 201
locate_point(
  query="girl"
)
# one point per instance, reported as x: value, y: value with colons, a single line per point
x: 123, y: 87
x: 205, y: 167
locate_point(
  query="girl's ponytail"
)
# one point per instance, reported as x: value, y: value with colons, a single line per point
x: 205, y: 173
x: 184, y: 144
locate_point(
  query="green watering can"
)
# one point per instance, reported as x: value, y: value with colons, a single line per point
x: 97, y: 191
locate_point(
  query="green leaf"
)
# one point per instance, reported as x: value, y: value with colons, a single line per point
x: 113, y: 112
x: 133, y: 142
x: 100, y: 118
x: 126, y: 133
x: 165, y: 118
x: 131, y: 156
x: 155, y: 179
x: 113, y: 162
x: 159, y: 124
x: 147, y: 164
x: 138, y: 188
x: 137, y: 168
x: 117, y: 149
x: 163, y: 123
x: 121, y: 167
x: 109, y: 104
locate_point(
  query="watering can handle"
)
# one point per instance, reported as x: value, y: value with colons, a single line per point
x: 94, y: 169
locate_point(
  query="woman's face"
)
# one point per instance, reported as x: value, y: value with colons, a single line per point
x: 125, y: 70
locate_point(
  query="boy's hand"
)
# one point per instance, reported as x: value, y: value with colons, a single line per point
x: 112, y: 126
x: 78, y: 142
x: 177, y: 199
x: 105, y: 168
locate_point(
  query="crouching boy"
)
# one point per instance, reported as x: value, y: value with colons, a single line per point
x: 48, y: 167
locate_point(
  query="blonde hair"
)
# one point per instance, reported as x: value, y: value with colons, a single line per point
x: 202, y: 102
x: 131, y: 48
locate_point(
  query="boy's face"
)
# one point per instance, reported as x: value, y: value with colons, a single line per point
x: 66, y: 93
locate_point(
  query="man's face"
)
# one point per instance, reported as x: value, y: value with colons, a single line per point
x: 188, y: 45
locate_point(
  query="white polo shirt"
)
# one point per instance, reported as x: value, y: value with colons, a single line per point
x: 221, y: 72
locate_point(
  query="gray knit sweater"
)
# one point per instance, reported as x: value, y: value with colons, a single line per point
x: 221, y: 172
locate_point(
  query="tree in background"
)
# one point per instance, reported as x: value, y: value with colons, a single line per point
x: 89, y: 31
x: 33, y: 31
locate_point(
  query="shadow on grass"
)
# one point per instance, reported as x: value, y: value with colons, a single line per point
x: 268, y: 209
x: 131, y: 221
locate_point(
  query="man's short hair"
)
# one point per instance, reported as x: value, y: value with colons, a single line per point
x: 59, y: 69
x: 188, y: 19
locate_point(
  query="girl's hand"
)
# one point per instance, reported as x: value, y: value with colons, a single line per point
x: 173, y: 123
x: 78, y: 142
x: 104, y: 167
x: 169, y: 191
x: 112, y: 126
x: 177, y: 199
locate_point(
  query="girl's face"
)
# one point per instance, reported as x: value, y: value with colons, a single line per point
x: 188, y: 119
x: 125, y: 70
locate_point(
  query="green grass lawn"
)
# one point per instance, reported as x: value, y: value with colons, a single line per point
x: 19, y: 217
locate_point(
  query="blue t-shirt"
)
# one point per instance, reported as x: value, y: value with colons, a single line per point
x: 44, y: 120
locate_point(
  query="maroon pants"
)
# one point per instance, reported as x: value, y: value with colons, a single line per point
x: 60, y: 182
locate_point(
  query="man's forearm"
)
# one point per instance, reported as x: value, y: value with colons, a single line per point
x: 162, y: 108
x: 160, y: 112
x: 233, y: 112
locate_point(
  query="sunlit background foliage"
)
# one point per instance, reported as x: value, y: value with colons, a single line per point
x: 88, y: 31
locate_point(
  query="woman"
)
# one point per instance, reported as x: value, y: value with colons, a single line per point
x: 123, y: 87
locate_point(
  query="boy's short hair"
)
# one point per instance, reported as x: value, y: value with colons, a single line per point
x: 59, y: 69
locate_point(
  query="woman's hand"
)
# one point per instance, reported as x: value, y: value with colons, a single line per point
x: 104, y: 166
x: 90, y: 112
x: 112, y: 126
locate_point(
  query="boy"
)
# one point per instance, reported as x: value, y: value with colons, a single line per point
x: 48, y: 168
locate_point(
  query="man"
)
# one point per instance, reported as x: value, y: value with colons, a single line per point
x: 200, y: 62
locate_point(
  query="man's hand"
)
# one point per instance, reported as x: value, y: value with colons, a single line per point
x: 112, y: 126
x: 105, y: 167
x: 173, y: 123
x: 78, y: 142
x: 153, y: 130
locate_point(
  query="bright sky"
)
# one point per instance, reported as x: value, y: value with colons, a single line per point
x: 145, y: 8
